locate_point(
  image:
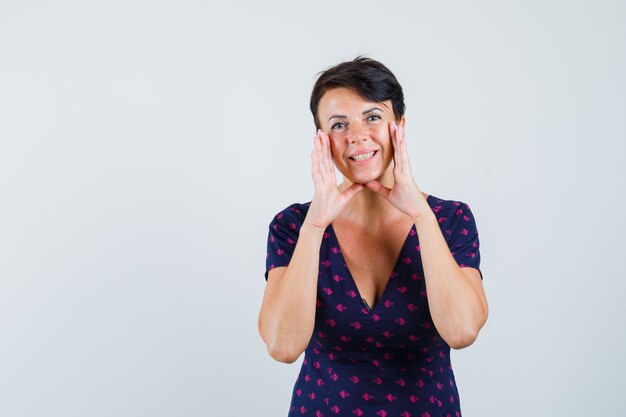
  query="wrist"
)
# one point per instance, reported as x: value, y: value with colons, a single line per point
x: 314, y: 229
x: 424, y: 219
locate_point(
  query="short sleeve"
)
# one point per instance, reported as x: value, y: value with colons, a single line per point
x: 282, y: 237
x: 464, y: 243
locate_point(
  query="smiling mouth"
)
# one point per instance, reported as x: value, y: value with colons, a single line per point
x: 363, y: 156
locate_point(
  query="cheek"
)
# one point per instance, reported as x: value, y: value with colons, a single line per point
x: 335, y: 144
x: 382, y: 136
x: 382, y: 131
x: 336, y: 137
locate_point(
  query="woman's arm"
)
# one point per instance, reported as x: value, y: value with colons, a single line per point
x: 287, y: 315
x: 456, y: 297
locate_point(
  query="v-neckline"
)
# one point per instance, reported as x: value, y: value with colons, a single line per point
x: 371, y: 309
x: 364, y: 302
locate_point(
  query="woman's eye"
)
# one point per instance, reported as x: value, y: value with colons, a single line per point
x: 338, y: 125
x: 373, y: 117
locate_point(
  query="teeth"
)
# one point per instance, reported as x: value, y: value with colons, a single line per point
x: 363, y: 156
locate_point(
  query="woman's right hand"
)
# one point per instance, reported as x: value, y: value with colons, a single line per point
x: 287, y: 316
x: 327, y: 201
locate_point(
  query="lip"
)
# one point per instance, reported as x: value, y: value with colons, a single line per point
x: 363, y: 161
x: 361, y: 152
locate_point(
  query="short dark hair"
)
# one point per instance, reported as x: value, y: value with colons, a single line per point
x: 368, y: 78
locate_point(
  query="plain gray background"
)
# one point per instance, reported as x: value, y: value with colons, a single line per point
x: 146, y: 145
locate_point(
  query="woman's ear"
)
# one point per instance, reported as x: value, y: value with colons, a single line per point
x: 402, y: 121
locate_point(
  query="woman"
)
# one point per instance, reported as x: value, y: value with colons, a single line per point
x: 374, y: 280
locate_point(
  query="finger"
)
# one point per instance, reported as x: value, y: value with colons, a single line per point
x: 402, y: 147
x: 323, y: 152
x: 400, y: 141
x: 320, y: 159
x: 331, y: 158
x: 377, y: 187
x: 316, y: 143
x: 315, y: 163
x: 352, y: 190
x: 400, y: 154
x: 314, y: 168
x: 397, y: 160
x: 320, y: 153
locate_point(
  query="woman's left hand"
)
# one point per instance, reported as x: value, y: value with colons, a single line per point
x: 405, y: 194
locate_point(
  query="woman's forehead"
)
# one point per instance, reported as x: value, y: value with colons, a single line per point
x: 348, y: 100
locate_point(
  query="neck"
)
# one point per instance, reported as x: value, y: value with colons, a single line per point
x: 369, y: 208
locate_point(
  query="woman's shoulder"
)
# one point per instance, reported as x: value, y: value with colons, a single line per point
x: 293, y: 213
x: 439, y: 204
x: 449, y: 212
x: 454, y: 216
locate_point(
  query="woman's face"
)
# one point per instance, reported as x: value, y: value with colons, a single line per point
x: 359, y: 133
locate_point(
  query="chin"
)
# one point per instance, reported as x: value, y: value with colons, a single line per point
x: 363, y: 178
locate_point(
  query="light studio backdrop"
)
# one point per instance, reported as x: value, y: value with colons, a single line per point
x: 146, y: 145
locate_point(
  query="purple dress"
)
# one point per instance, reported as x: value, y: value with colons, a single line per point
x: 383, y: 361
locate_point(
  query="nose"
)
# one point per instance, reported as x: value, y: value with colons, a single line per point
x: 358, y: 133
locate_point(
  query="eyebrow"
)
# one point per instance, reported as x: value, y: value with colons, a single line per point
x: 341, y: 116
